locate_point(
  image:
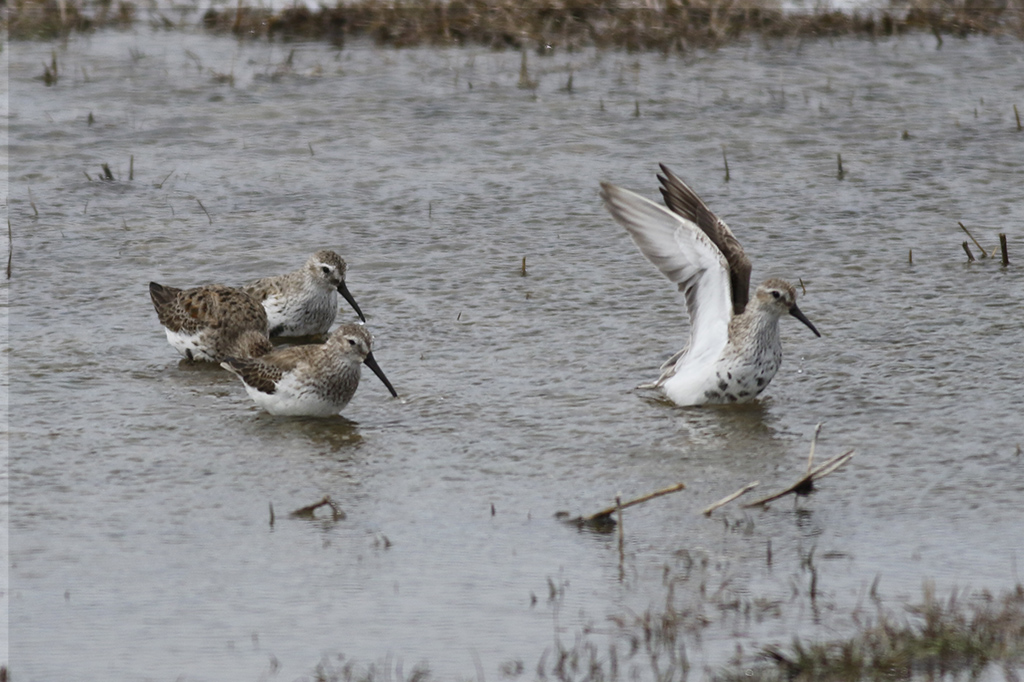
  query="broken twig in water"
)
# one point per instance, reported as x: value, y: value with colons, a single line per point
x: 32, y: 201
x: 108, y: 175
x: 729, y: 498
x: 984, y: 254
x: 839, y: 160
x: 1016, y: 114
x: 603, y: 517
x: 814, y: 442
x: 523, y: 271
x: 1002, y: 246
x: 967, y: 250
x: 806, y: 483
x: 204, y: 210
x: 725, y: 160
x: 307, y: 511
x: 160, y: 185
x: 10, y: 248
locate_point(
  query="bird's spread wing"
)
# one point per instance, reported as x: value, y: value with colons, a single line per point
x: 686, y: 256
x: 684, y: 202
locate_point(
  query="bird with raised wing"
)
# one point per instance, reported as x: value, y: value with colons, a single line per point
x: 734, y: 349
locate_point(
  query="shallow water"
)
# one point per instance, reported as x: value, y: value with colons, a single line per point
x: 141, y: 538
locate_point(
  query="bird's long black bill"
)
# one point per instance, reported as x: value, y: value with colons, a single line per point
x: 343, y: 290
x: 372, y: 364
x: 795, y: 312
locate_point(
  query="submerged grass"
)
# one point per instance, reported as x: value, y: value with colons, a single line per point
x: 966, y: 636
x: 664, y: 25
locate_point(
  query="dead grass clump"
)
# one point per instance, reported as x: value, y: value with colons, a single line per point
x: 671, y: 25
x: 49, y: 19
x: 634, y: 25
x: 939, y: 640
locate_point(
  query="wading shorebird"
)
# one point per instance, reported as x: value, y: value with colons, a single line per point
x: 211, y: 322
x: 315, y: 380
x: 734, y: 348
x: 304, y: 302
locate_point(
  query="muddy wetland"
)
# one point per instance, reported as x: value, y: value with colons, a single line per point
x: 150, y: 503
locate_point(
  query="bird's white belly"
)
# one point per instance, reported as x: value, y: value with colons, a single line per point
x: 293, y: 399
x: 725, y: 381
x: 190, y: 346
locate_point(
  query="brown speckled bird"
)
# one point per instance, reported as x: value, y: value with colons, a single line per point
x: 304, y: 302
x: 211, y: 322
x: 315, y: 380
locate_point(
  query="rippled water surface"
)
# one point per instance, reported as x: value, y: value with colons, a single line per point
x: 141, y: 539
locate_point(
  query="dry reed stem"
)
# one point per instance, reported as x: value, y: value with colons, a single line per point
x: 967, y: 250
x: 603, y: 515
x: 806, y: 483
x: 984, y: 253
x: 729, y: 498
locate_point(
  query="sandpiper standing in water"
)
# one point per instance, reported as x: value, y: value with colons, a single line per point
x: 211, y: 322
x: 314, y: 380
x: 734, y: 348
x: 304, y: 302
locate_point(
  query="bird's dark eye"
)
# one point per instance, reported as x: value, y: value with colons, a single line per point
x: 325, y: 269
x: 351, y: 342
x: 776, y: 294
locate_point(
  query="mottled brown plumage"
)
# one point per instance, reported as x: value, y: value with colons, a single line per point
x: 211, y: 322
x: 684, y: 201
x: 315, y: 380
x: 304, y: 302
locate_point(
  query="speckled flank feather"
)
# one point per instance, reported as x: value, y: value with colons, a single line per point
x: 304, y: 302
x: 211, y: 322
x: 734, y: 348
x: 313, y: 380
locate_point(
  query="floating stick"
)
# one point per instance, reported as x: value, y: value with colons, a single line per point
x: 1002, y: 246
x: 310, y: 148
x: 602, y: 516
x: 271, y: 514
x: 10, y: 248
x: 307, y: 511
x: 729, y: 498
x: 725, y: 159
x: 910, y: 256
x: 636, y: 111
x: 204, y: 210
x: 131, y: 167
x: 1016, y: 115
x: 976, y: 243
x: 806, y: 483
x: 160, y: 185
x: 839, y: 161
x: 801, y: 281
x: 107, y: 174
x: 970, y: 256
x: 523, y: 272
